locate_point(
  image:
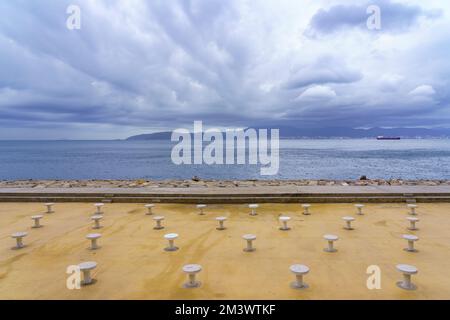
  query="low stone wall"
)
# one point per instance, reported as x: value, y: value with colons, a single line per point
x: 196, y: 182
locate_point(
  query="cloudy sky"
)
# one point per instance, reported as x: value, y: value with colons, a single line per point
x: 140, y: 66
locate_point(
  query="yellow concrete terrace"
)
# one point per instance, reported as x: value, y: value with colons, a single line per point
x: 132, y: 262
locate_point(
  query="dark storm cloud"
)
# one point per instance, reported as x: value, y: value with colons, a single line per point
x: 395, y: 16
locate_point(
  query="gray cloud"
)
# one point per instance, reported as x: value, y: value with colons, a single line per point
x: 395, y: 17
x: 326, y: 69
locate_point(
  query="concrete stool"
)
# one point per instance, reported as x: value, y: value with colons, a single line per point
x: 93, y: 237
x: 330, y: 238
x: 171, y: 237
x: 412, y: 221
x: 49, y: 206
x: 221, y: 220
x: 359, y: 208
x: 192, y: 270
x: 249, y: 238
x: 36, y: 221
x: 19, y: 236
x: 411, y: 239
x: 96, y: 218
x: 284, y: 220
x: 348, y: 222
x: 86, y: 268
x: 306, y: 209
x: 253, y: 207
x: 412, y: 208
x: 299, y: 270
x: 99, y: 207
x: 201, y: 207
x: 149, y: 207
x: 407, y: 271
x: 158, y: 220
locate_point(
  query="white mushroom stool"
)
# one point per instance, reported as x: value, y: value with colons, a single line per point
x: 359, y: 208
x: 93, y: 237
x: 407, y: 271
x: 412, y: 208
x: 37, y: 221
x: 171, y: 237
x: 253, y: 207
x: 19, y: 236
x: 86, y: 268
x: 412, y: 222
x: 158, y: 220
x: 149, y: 207
x: 348, y: 222
x: 284, y: 220
x: 331, y: 238
x: 99, y: 207
x: 249, y: 238
x: 221, y: 220
x: 192, y: 270
x: 306, y: 209
x: 49, y: 206
x: 411, y: 239
x: 96, y: 218
x: 299, y: 270
x: 201, y: 207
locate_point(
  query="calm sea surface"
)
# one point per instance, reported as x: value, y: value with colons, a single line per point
x: 299, y: 159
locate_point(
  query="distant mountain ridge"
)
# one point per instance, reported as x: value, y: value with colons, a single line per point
x: 329, y: 132
x: 151, y: 136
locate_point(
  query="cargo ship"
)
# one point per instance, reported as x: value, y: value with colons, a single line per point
x: 387, y: 138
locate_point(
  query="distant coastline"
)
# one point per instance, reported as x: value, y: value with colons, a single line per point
x: 329, y: 133
x: 291, y: 133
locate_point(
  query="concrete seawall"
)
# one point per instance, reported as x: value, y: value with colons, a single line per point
x: 266, y: 194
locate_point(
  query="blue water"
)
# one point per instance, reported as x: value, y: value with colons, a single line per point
x: 299, y: 159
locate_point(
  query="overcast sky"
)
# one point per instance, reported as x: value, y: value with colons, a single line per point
x: 140, y: 66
